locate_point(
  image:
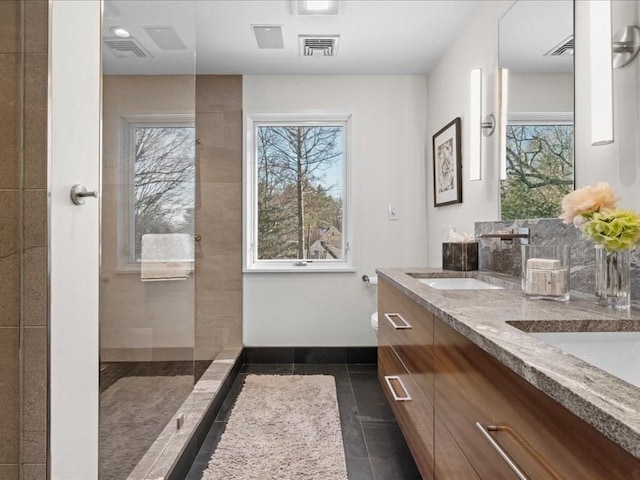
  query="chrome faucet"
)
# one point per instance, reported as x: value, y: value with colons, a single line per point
x: 523, y: 233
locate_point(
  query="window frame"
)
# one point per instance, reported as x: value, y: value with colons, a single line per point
x: 125, y: 195
x: 251, y: 264
x: 540, y: 118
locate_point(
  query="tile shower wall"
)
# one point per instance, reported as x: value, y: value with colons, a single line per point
x: 218, y: 214
x: 506, y: 258
x: 23, y: 238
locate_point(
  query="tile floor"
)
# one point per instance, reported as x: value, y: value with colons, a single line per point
x: 118, y: 465
x: 374, y: 446
x: 110, y: 372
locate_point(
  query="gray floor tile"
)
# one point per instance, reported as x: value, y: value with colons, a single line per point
x: 395, y: 468
x: 385, y: 440
x: 372, y: 404
x: 359, y: 468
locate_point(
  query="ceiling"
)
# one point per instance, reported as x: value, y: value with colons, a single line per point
x: 532, y: 28
x: 376, y: 36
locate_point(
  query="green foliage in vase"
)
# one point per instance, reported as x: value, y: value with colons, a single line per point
x: 614, y: 229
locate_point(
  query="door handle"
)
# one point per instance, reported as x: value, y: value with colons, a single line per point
x: 79, y: 192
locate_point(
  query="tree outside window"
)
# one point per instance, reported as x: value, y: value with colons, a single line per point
x: 298, y: 193
x: 162, y: 195
x: 540, y: 170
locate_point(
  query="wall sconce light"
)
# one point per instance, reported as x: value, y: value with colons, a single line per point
x: 601, y: 72
x: 626, y: 45
x: 504, y: 98
x: 478, y: 126
x: 475, y: 115
x: 488, y: 125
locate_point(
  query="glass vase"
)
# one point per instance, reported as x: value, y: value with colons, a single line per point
x: 613, y: 278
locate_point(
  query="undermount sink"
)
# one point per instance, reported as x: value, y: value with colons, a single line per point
x: 458, y: 284
x: 615, y: 352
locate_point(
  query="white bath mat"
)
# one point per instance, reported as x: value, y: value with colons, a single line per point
x: 282, y: 427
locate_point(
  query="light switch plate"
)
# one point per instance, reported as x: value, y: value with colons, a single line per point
x: 393, y: 211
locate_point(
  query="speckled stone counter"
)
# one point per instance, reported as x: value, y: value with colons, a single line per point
x: 496, y: 321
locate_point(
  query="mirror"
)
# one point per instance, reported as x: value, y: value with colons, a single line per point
x: 536, y: 48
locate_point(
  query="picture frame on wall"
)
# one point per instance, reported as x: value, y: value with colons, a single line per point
x: 447, y: 165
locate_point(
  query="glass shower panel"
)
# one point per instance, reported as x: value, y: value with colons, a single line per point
x: 147, y: 292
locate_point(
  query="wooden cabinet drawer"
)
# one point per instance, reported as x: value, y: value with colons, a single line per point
x: 412, y: 410
x: 450, y: 461
x: 409, y: 328
x: 542, y: 438
x: 462, y: 399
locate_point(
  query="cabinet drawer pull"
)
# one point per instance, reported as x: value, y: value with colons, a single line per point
x: 406, y: 395
x: 392, y: 317
x: 485, y: 430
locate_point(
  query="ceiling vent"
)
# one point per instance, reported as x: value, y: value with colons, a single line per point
x: 126, y: 47
x: 563, y: 49
x: 268, y: 36
x: 319, y: 45
x: 165, y: 38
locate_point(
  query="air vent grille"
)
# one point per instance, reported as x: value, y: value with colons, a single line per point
x: 319, y: 45
x: 564, y: 48
x: 126, y: 48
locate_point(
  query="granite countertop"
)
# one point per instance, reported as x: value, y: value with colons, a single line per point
x: 487, y: 318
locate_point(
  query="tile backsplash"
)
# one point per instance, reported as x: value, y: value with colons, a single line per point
x: 505, y: 257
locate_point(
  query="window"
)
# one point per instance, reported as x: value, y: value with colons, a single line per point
x: 158, y: 181
x: 296, y: 187
x: 540, y: 165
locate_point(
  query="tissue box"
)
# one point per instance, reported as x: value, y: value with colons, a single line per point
x: 460, y: 256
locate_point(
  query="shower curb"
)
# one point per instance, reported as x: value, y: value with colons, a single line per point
x: 172, y: 453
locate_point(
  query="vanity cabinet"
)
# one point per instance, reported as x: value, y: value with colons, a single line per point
x: 471, y: 417
x: 405, y: 370
x: 490, y: 409
x: 409, y: 329
x: 412, y: 410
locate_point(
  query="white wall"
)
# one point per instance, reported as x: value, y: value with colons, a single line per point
x: 540, y: 93
x: 618, y: 163
x: 448, y: 98
x: 388, y: 159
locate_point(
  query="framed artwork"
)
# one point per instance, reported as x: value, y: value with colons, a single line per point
x: 447, y: 165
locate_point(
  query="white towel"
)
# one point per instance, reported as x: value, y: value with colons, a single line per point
x: 166, y: 256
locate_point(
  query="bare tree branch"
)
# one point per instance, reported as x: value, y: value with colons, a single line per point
x: 292, y: 166
x: 164, y: 181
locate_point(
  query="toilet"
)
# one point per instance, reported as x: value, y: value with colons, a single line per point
x: 374, y: 322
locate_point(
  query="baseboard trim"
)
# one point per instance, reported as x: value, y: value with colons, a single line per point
x: 310, y: 355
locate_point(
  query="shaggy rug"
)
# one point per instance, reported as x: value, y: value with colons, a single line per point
x: 282, y: 427
x: 133, y: 412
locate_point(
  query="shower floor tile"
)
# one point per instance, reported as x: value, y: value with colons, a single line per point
x: 127, y: 426
x: 111, y: 372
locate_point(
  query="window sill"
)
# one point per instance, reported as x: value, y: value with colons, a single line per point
x: 288, y: 267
